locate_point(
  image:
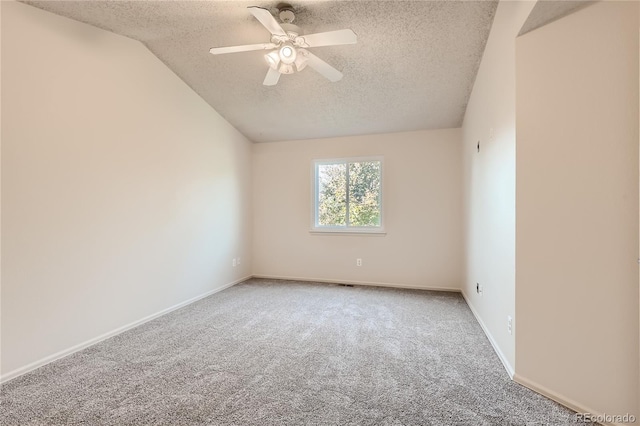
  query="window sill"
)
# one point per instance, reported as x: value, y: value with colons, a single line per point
x: 351, y: 232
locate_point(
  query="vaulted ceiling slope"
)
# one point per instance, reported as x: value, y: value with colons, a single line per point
x: 545, y: 12
x: 413, y: 67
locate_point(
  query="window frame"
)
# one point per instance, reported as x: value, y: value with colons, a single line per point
x: 344, y: 230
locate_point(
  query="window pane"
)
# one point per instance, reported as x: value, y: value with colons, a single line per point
x: 332, y: 194
x: 364, y: 193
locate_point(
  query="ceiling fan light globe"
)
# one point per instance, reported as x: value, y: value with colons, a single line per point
x: 287, y: 54
x: 273, y: 59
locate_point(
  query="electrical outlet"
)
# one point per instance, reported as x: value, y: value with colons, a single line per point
x: 509, y: 324
x: 234, y: 262
x: 479, y: 289
x: 358, y: 262
x: 238, y: 261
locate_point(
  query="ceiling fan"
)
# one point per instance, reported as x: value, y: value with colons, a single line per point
x: 288, y: 46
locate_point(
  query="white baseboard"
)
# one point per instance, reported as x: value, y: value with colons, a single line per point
x: 496, y: 348
x: 560, y: 399
x: 352, y: 282
x: 46, y: 360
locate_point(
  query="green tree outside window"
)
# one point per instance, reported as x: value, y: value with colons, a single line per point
x: 348, y: 194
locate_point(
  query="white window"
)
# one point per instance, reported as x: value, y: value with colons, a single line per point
x: 347, y: 195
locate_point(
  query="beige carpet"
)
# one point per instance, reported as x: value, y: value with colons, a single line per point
x: 288, y: 353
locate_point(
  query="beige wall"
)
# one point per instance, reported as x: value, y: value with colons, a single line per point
x: 422, y: 199
x: 123, y: 193
x: 489, y: 182
x: 577, y: 209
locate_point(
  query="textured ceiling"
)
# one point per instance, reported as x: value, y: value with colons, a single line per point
x: 413, y: 67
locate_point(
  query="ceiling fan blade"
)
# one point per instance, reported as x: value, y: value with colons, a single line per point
x: 330, y: 38
x: 245, y: 48
x: 272, y: 77
x: 266, y: 18
x: 323, y: 68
